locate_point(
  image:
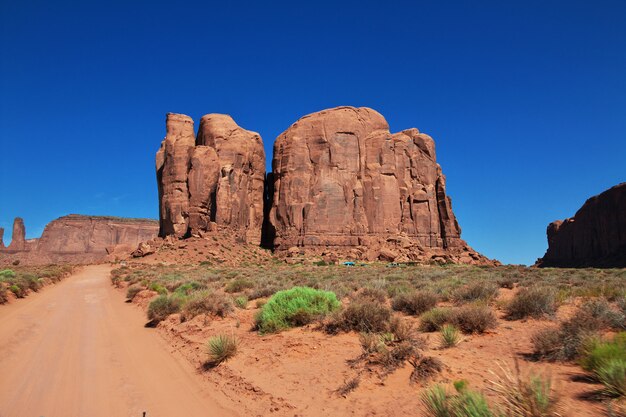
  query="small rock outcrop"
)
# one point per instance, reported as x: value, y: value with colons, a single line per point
x: 1, y: 238
x: 594, y: 237
x: 211, y: 182
x: 343, y: 183
x: 79, y: 239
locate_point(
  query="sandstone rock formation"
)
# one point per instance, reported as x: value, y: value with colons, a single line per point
x: 18, y: 238
x: 80, y: 239
x: 1, y: 238
x: 343, y: 182
x: 594, y: 237
x: 211, y: 182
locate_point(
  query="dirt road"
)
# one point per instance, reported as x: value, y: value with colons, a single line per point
x: 77, y: 350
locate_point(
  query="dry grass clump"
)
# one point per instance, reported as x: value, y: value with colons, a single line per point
x: 415, y: 302
x: 525, y: 397
x: 132, y: 291
x: 361, y: 315
x: 220, y: 348
x: 425, y: 368
x: 207, y: 302
x: 474, y: 318
x: 475, y: 291
x: 374, y: 294
x: 348, y: 386
x: 449, y: 336
x: 463, y: 403
x: 532, y: 302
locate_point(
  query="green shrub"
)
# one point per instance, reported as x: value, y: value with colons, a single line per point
x: 18, y: 291
x: 449, y: 336
x: 475, y: 291
x: 161, y: 307
x: 3, y: 293
x: 464, y: 403
x: 158, y: 288
x: 6, y: 274
x: 532, y: 302
x: 295, y: 307
x: 221, y: 348
x: 414, y: 303
x: 207, y: 302
x: 607, y: 361
x: 189, y: 287
x: 472, y: 318
x: 241, y: 301
x: 434, y: 319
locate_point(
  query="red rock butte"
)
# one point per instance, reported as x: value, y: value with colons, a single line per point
x: 210, y: 182
x: 341, y: 185
x: 594, y: 237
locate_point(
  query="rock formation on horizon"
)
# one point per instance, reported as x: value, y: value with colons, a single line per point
x: 594, y: 237
x: 1, y: 238
x: 18, y: 238
x: 80, y: 239
x: 212, y: 181
x: 343, y: 183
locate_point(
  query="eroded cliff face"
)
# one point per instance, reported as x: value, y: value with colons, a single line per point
x: 79, y: 239
x: 213, y: 182
x: 594, y: 237
x: 343, y: 182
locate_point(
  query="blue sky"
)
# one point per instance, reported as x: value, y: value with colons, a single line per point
x: 526, y: 100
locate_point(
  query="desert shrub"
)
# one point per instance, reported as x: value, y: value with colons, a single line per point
x: 415, y: 302
x: 6, y: 274
x: 221, y: 348
x: 602, y: 311
x: 548, y: 343
x: 401, y: 329
x: 188, y: 288
x: 241, y: 301
x: 607, y: 361
x: 295, y: 307
x: 434, y: 319
x: 348, y: 386
x: 158, y: 288
x: 19, y: 291
x: 475, y: 291
x: 424, y: 368
x: 506, y: 282
x: 464, y: 403
x: 398, y: 287
x: 161, y: 307
x: 374, y: 294
x: 526, y: 397
x: 532, y: 302
x: 239, y: 285
x: 132, y: 291
x: 473, y: 318
x: 207, y: 302
x: 361, y: 315
x: 3, y: 293
x: 449, y: 336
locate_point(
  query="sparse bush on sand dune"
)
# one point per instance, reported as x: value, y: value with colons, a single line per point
x: 415, y: 302
x: 220, y: 348
x: 532, y: 302
x: 295, y: 307
x: 207, y: 302
x: 161, y: 307
x: 472, y: 318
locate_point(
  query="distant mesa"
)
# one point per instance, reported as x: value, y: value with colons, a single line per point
x: 594, y: 237
x: 79, y: 239
x: 341, y: 185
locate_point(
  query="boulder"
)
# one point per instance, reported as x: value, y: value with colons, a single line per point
x: 594, y: 237
x: 213, y: 182
x: 341, y: 179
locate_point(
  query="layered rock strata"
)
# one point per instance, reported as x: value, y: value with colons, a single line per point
x: 594, y: 237
x: 210, y: 182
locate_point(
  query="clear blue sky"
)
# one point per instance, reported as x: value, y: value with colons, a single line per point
x: 526, y: 100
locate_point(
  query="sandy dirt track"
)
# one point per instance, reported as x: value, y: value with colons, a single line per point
x: 76, y: 350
